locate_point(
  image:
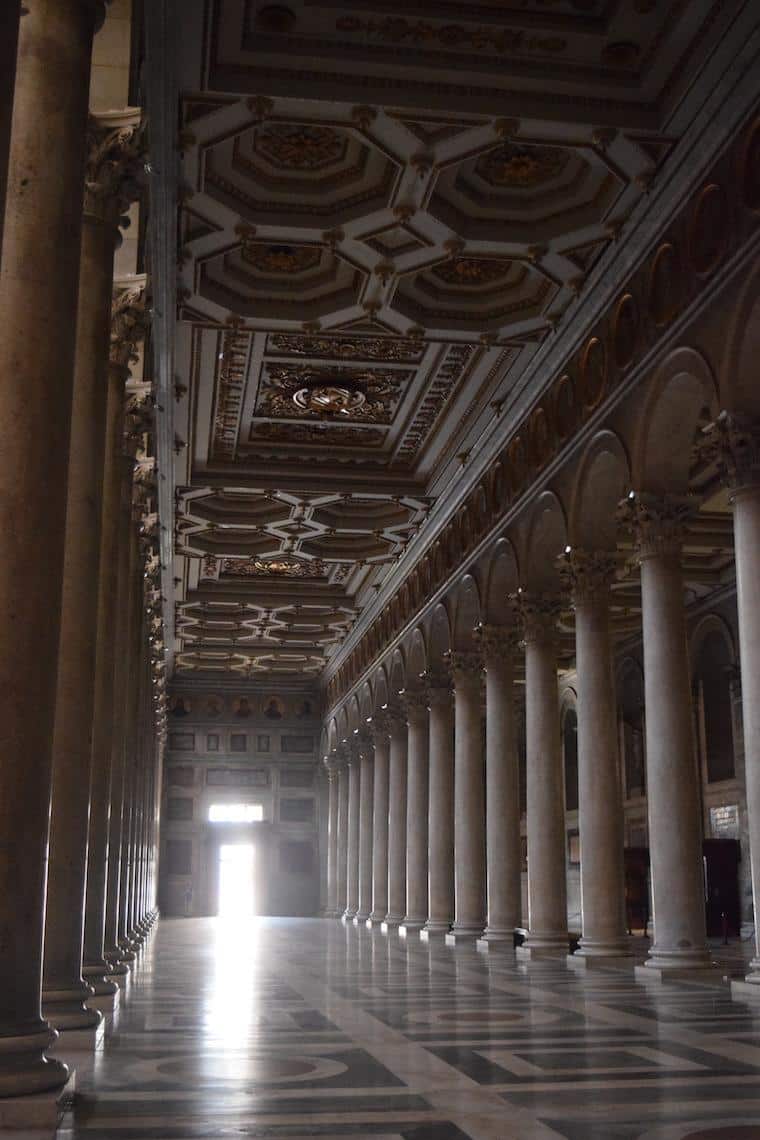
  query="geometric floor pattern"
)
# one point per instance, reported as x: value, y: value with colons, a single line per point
x: 296, y: 1028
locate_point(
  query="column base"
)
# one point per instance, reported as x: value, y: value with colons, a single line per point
x: 409, y: 927
x: 98, y: 978
x: 434, y: 931
x: 38, y: 1112
x: 65, y: 1009
x: 106, y: 1003
x: 79, y: 1040
x: 463, y: 935
x: 747, y: 989
x: 360, y: 918
x: 390, y: 923
x: 710, y: 973
x: 622, y: 961
x: 25, y: 1070
x: 669, y: 962
x: 374, y: 923
x: 538, y: 946
x: 348, y: 915
x: 504, y: 944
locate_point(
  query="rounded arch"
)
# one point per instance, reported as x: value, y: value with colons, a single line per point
x: 568, y: 719
x: 342, y: 722
x: 546, y: 540
x: 501, y: 579
x: 682, y: 388
x: 416, y: 657
x: 380, y: 689
x: 712, y: 626
x: 397, y: 677
x: 439, y: 637
x: 739, y: 389
x: 714, y: 665
x: 332, y: 735
x: 602, y: 480
x: 354, y: 715
x: 365, y: 701
x: 467, y: 613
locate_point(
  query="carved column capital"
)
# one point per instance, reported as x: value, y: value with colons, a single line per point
x: 438, y: 687
x: 129, y: 323
x: 380, y: 726
x: 115, y: 154
x: 587, y: 574
x: 497, y: 642
x: 466, y: 668
x: 539, y: 614
x: 733, y: 443
x: 341, y: 756
x: 657, y: 523
x: 397, y: 715
x: 417, y: 705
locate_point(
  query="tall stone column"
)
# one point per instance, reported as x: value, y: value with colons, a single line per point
x: 39, y: 274
x: 380, y: 731
x: 441, y: 806
x: 342, y: 871
x: 469, y: 800
x: 128, y: 325
x: 588, y: 576
x: 397, y: 817
x: 366, y: 782
x: 547, y: 885
x: 332, y: 839
x: 675, y: 837
x: 417, y: 811
x: 112, y: 150
x: 503, y: 848
x: 354, y: 802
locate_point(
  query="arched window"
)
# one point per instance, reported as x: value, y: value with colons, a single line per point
x: 570, y: 752
x: 713, y: 679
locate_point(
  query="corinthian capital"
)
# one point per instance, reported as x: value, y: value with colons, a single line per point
x: 539, y: 614
x: 115, y: 154
x: 416, y: 701
x: 466, y: 668
x: 129, y: 322
x: 380, y: 726
x: 587, y: 574
x: 733, y: 442
x: 657, y: 523
x: 498, y: 642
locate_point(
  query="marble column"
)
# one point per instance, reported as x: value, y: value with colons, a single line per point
x: 588, y: 576
x: 547, y: 885
x: 366, y: 782
x: 416, y: 811
x: 441, y: 806
x: 111, y: 152
x: 332, y: 839
x: 469, y: 800
x: 675, y: 834
x: 503, y: 847
x: 354, y: 801
x: 380, y: 734
x: 38, y: 299
x: 341, y: 877
x: 738, y: 439
x: 397, y: 817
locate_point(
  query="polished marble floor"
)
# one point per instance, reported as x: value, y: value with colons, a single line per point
x: 295, y: 1028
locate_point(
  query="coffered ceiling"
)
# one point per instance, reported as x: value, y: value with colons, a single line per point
x: 385, y: 210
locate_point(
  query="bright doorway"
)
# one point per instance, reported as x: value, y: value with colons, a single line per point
x: 236, y: 880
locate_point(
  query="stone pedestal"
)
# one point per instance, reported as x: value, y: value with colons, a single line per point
x: 441, y: 808
x: 547, y: 889
x: 588, y: 576
x: 675, y: 839
x: 38, y: 297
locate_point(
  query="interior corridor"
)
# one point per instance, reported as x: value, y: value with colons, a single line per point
x: 294, y: 1028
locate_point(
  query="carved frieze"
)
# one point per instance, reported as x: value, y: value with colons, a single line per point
x: 347, y: 348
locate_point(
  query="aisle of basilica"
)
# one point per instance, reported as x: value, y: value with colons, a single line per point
x: 380, y: 590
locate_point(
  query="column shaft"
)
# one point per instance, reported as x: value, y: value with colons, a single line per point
x: 417, y: 812
x: 441, y: 809
x: 469, y: 798
x: 380, y: 822
x: 332, y: 842
x: 38, y: 291
x: 354, y: 794
x: 547, y: 887
x: 342, y: 871
x: 366, y: 782
x: 503, y: 848
x: 397, y: 822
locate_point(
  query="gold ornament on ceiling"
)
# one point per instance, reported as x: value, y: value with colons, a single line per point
x: 368, y: 395
x: 299, y: 146
x: 473, y: 270
x: 272, y: 568
x: 521, y: 167
x: 276, y: 258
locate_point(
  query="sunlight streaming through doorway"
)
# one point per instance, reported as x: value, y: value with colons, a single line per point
x: 236, y: 881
